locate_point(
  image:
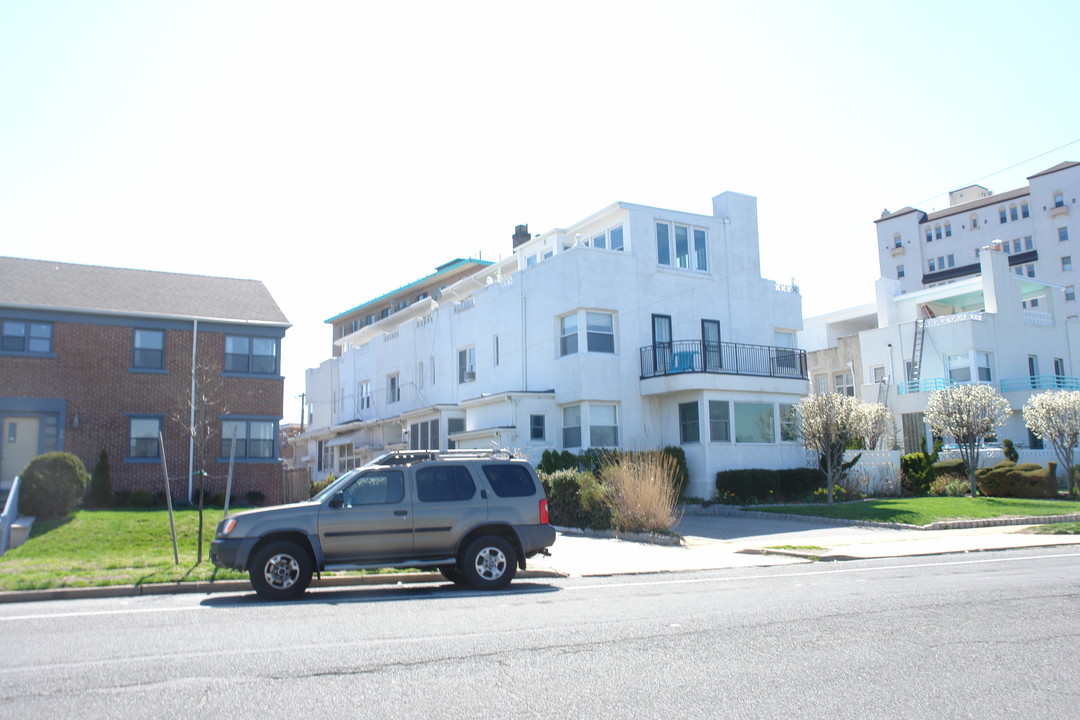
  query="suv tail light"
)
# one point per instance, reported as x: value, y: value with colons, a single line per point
x: 544, y: 512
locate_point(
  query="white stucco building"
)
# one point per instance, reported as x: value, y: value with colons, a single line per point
x: 636, y: 327
x: 972, y: 329
x: 1035, y: 226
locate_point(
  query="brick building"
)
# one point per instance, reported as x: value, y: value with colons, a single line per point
x: 95, y: 358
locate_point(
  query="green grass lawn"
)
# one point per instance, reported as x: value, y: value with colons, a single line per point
x: 112, y: 547
x: 1070, y: 528
x: 925, y: 510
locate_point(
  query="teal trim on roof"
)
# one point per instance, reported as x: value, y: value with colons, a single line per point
x: 443, y: 269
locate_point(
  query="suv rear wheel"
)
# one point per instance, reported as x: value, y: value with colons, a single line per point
x: 280, y: 571
x: 489, y: 563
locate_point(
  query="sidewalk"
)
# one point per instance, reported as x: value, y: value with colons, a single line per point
x: 709, y: 542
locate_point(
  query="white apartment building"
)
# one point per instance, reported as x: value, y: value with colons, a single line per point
x: 635, y: 328
x: 1035, y: 226
x: 972, y: 329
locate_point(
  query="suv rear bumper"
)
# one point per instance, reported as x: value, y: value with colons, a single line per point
x: 535, y: 538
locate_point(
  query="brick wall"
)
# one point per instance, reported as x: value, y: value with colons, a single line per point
x: 91, y: 371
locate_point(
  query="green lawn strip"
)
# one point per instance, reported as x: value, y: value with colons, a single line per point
x: 1070, y: 528
x: 926, y: 510
x: 116, y: 547
x: 795, y: 547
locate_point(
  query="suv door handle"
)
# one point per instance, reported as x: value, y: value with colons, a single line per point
x: 401, y: 513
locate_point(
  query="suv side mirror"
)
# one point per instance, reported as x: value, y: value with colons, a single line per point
x: 338, y: 500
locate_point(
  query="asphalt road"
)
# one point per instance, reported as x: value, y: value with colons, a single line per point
x: 988, y: 635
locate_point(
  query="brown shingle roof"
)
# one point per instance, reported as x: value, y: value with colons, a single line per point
x: 43, y: 284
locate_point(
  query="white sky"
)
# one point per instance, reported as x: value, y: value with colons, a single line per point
x: 338, y: 150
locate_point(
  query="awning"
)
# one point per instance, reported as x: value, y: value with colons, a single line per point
x: 353, y: 438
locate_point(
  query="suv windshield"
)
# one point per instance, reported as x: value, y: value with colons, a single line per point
x: 333, y: 487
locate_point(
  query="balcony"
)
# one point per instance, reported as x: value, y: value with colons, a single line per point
x: 924, y: 385
x: 695, y: 356
x: 1040, y: 382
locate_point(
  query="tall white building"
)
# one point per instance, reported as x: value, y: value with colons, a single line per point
x: 1035, y: 226
x: 635, y: 328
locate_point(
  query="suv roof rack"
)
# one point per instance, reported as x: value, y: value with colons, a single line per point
x: 408, y: 457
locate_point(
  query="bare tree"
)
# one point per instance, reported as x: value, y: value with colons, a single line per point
x: 967, y: 413
x: 828, y: 423
x: 1055, y: 416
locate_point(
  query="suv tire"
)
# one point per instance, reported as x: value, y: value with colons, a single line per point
x: 453, y: 574
x: 489, y: 563
x: 280, y: 570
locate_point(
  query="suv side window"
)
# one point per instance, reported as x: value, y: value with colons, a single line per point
x: 510, y: 480
x: 385, y: 487
x: 445, y: 483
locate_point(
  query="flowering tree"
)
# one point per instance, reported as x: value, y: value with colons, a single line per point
x: 828, y: 422
x: 1055, y: 416
x: 876, y: 420
x: 967, y: 413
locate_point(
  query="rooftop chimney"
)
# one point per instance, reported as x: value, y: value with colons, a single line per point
x: 521, y: 235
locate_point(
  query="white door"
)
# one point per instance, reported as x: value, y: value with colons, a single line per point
x: 20, y: 446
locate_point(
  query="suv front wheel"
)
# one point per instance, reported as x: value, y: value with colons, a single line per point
x: 489, y: 563
x: 280, y: 571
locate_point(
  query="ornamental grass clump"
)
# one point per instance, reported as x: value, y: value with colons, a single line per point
x: 643, y: 491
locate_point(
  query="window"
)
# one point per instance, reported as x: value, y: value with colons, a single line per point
x: 877, y: 372
x: 615, y: 238
x: 1063, y: 234
x: 1066, y: 262
x: 444, y: 483
x: 495, y: 350
x: 950, y: 261
x: 537, y: 429
x: 571, y: 434
x: 510, y: 480
x: 148, y: 352
x: 393, y: 390
x: 844, y: 384
x: 982, y: 366
x: 1070, y: 292
x: 899, y: 272
x: 689, y: 425
x: 690, y: 246
x: 931, y: 264
x: 568, y: 335
x: 937, y: 232
x: 376, y: 487
x: 530, y: 261
x: 26, y: 337
x: 1059, y: 370
x: 1001, y: 215
x: 948, y: 230
x: 719, y: 421
x: 424, y: 435
x: 600, y: 332
x: 453, y: 425
x: 1013, y: 213
x: 1016, y: 245
x: 431, y: 364
x: 143, y: 437
x: 929, y: 235
x: 251, y: 355
x: 789, y: 423
x: 363, y: 392
x: 958, y: 367
x: 420, y: 374
x: 255, y: 439
x: 1059, y: 199
x: 822, y: 385
x: 348, y: 457
x: 1029, y: 244
x: 603, y: 426
x: 754, y: 423
x: 663, y: 244
x: 896, y: 241
x: 974, y: 222
x: 1030, y: 269
x: 466, y: 362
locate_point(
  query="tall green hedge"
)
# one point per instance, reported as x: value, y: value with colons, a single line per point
x: 1008, y: 479
x: 757, y: 485
x: 52, y: 485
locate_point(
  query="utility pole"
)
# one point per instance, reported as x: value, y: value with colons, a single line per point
x: 303, y: 408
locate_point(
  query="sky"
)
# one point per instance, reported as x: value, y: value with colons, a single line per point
x: 339, y: 150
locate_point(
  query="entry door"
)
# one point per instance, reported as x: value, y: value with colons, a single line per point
x: 20, y: 446
x: 710, y: 341
x: 1033, y: 370
x: 661, y: 335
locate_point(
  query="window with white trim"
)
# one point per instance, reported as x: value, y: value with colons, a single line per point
x: 611, y: 239
x: 844, y: 383
x: 393, y: 389
x: 363, y: 393
x: 1063, y: 233
x: 537, y: 427
x: 789, y: 423
x: 603, y: 425
x: 754, y: 423
x: 1059, y: 199
x: 688, y: 246
x: 1070, y: 292
x: 1066, y: 262
x: 689, y: 423
x: 143, y: 437
x: 466, y: 365
x: 255, y: 439
x: 719, y: 421
x: 571, y: 422
x: 599, y: 332
x: 148, y: 351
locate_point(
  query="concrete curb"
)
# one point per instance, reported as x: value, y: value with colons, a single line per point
x: 235, y: 586
x: 738, y: 511
x: 650, y: 538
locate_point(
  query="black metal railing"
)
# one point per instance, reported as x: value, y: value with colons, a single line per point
x: 695, y: 356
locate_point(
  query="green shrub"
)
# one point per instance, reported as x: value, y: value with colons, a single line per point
x: 552, y: 461
x: 1008, y: 479
x: 950, y: 486
x: 52, y: 485
x: 100, y: 494
x: 318, y: 487
x: 577, y: 499
x: 1009, y: 450
x: 917, y: 469
x: 955, y: 468
x: 756, y: 485
x: 822, y: 494
x: 141, y: 499
x: 254, y: 497
x: 682, y: 471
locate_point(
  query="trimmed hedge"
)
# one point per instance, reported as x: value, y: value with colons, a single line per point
x: 956, y: 468
x: 52, y: 485
x: 757, y: 485
x: 576, y: 499
x: 1007, y: 479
